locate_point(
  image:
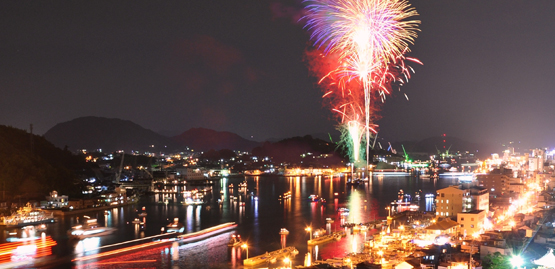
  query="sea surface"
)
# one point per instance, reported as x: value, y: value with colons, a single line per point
x: 259, y: 213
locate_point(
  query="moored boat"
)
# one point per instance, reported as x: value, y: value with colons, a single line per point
x: 235, y: 241
x: 313, y: 198
x: 175, y: 226
x: 25, y: 216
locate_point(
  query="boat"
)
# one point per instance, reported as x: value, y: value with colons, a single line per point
x: 25, y: 216
x: 326, y: 238
x: 283, y: 231
x: 191, y: 201
x: 343, y: 211
x: 175, y: 226
x: 142, y: 214
x: 89, y: 229
x: 313, y: 198
x: 235, y: 241
x: 136, y: 221
x: 353, y: 182
x: 106, y: 212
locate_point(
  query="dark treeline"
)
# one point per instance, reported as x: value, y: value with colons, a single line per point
x: 31, y: 167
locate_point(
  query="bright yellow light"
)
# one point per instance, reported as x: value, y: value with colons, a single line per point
x: 244, y: 246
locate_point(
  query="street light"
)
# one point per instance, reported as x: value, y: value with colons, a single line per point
x: 287, y: 260
x: 309, y: 230
x: 350, y: 262
x: 247, y: 248
x: 517, y: 261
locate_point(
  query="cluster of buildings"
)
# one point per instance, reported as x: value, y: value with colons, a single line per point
x: 507, y: 210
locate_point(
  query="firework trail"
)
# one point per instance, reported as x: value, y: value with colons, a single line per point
x: 367, y: 41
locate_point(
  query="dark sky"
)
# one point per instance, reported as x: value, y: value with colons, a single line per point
x: 237, y: 65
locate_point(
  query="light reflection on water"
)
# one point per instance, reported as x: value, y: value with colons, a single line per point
x: 260, y: 220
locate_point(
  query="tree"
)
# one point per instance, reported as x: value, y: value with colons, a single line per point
x: 497, y: 261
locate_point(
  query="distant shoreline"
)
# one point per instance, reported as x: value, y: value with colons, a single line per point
x: 86, y: 210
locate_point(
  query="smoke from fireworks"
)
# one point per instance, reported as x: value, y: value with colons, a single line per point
x: 364, y: 43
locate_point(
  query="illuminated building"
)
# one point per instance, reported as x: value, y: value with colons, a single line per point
x: 471, y: 222
x: 57, y: 201
x: 497, y: 182
x: 443, y: 227
x: 452, y: 200
x: 479, y: 199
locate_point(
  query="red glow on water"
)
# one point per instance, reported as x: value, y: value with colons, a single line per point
x: 26, y: 249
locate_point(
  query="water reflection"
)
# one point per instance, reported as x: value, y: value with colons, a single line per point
x: 261, y: 215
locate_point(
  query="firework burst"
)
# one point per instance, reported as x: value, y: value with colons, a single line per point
x: 366, y: 41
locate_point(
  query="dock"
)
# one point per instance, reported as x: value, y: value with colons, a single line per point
x: 326, y: 238
x: 271, y: 257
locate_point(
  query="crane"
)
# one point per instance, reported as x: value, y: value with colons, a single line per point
x: 118, y: 175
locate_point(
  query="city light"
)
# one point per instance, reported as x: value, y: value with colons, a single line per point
x: 517, y: 261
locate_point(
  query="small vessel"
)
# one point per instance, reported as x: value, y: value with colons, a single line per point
x: 353, y: 182
x: 284, y: 231
x: 191, y: 201
x: 175, y: 226
x: 235, y: 241
x: 313, y: 198
x: 106, y: 213
x: 136, y: 221
x: 89, y: 229
x: 343, y: 211
x: 143, y: 214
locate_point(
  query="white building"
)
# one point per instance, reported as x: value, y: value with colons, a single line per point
x: 191, y: 173
x: 56, y: 201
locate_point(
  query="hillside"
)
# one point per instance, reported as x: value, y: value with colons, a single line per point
x: 294, y: 151
x: 430, y: 146
x: 31, y: 167
x: 205, y: 139
x: 107, y: 134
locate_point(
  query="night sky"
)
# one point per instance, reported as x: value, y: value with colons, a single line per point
x: 232, y: 65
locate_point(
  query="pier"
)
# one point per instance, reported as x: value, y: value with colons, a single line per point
x: 326, y: 238
x: 271, y: 257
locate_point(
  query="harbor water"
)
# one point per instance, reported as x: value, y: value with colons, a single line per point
x: 259, y: 212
